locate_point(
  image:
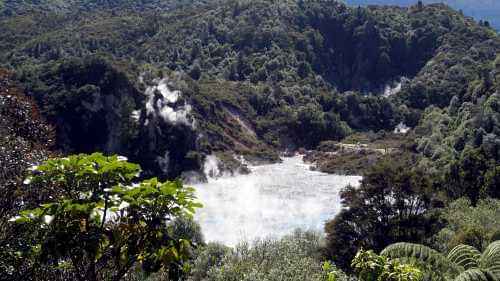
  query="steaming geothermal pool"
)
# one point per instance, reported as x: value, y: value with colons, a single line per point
x: 272, y: 201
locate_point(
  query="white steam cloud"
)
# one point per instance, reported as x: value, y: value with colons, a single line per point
x: 273, y: 200
x: 163, y: 102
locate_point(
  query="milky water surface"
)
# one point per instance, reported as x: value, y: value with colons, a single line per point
x: 271, y: 201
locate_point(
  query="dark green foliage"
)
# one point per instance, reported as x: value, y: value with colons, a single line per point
x: 92, y: 102
x: 325, y: 47
x: 25, y: 138
x: 429, y: 259
x: 89, y: 100
x: 476, y: 275
x: 365, y: 112
x: 208, y: 257
x: 372, y: 267
x: 292, y: 257
x: 267, y: 75
x: 20, y: 7
x: 467, y: 176
x: 479, y: 9
x: 463, y: 262
x: 313, y: 126
x: 393, y: 203
x: 462, y: 140
x: 465, y: 256
x: 99, y: 222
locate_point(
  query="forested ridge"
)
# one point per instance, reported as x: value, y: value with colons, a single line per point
x: 166, y: 83
x: 484, y: 10
x: 298, y: 63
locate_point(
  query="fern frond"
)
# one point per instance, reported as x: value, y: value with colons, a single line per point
x: 465, y: 255
x: 490, y: 259
x: 476, y: 275
x: 436, y: 260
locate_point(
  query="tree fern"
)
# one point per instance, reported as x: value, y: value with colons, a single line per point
x: 476, y: 274
x: 490, y: 259
x: 465, y: 256
x: 465, y: 262
x: 424, y: 254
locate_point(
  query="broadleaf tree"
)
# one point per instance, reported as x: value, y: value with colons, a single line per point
x: 103, y: 222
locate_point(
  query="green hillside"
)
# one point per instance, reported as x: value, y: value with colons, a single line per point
x: 167, y: 83
x: 484, y: 10
x: 297, y: 60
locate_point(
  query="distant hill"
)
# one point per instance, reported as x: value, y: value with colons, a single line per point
x: 255, y: 75
x: 479, y: 9
x: 19, y: 7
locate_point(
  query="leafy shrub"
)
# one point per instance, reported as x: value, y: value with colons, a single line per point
x: 468, y: 224
x: 392, y: 203
x: 372, y: 267
x: 293, y: 257
x: 101, y: 222
x: 463, y: 262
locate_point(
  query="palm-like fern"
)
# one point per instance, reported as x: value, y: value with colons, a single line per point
x: 463, y: 263
x: 465, y: 256
x: 426, y: 257
x: 476, y: 274
x: 490, y: 259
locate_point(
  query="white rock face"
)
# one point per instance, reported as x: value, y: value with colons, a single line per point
x: 273, y: 200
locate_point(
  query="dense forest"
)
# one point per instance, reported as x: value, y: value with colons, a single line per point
x: 482, y: 10
x: 165, y: 83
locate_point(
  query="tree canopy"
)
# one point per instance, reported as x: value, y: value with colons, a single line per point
x: 94, y: 219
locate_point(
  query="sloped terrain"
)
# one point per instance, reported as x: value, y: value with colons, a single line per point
x: 296, y: 73
x: 481, y: 10
x: 408, y: 97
